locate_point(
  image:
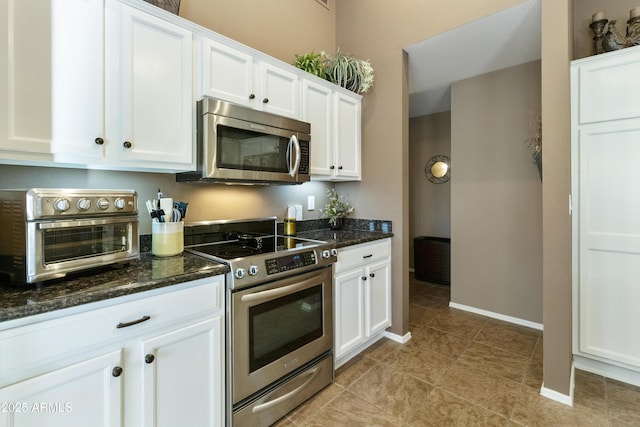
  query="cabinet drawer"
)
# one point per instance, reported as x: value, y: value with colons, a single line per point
x: 25, y: 349
x: 362, y: 254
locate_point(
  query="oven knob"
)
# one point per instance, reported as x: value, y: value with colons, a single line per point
x: 253, y: 270
x: 334, y: 252
x: 83, y: 204
x: 102, y: 204
x: 61, y: 205
x: 326, y: 253
x: 240, y: 273
x: 120, y: 203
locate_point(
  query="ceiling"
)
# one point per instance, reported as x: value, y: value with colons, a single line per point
x: 504, y: 39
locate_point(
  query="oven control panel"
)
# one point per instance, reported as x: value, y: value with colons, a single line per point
x: 290, y: 262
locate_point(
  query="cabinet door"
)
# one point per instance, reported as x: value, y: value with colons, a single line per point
x: 378, y: 297
x: 317, y: 109
x: 349, y: 327
x: 279, y: 91
x: 153, y: 116
x: 79, y: 395
x: 77, y: 81
x: 347, y: 137
x: 227, y: 73
x: 609, y: 240
x: 183, y: 376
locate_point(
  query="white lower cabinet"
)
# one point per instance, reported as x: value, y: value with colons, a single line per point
x: 155, y: 359
x: 362, y: 296
x: 82, y: 394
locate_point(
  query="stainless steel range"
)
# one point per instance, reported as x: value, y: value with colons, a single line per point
x: 279, y: 305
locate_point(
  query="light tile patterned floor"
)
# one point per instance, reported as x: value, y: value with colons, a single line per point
x: 460, y: 369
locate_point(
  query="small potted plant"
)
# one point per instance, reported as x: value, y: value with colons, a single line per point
x: 336, y: 209
x: 313, y: 63
x: 344, y: 70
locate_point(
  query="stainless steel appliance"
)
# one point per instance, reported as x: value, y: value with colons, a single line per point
x: 279, y: 325
x: 49, y: 232
x: 241, y: 145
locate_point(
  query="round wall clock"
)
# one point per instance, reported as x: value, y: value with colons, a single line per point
x: 438, y: 169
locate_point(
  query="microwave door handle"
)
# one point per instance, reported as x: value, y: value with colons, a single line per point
x: 296, y: 166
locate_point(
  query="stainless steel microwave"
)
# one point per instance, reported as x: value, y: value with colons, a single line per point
x: 240, y: 145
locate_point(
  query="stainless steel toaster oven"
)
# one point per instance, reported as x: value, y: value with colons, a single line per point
x: 46, y: 233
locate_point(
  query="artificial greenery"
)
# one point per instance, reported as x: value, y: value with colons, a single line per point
x: 336, y: 207
x: 313, y: 63
x: 344, y: 70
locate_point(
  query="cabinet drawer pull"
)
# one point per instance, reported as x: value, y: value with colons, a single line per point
x: 117, y: 371
x: 364, y: 278
x: 127, y: 144
x: 265, y: 100
x: 134, y: 322
x: 367, y: 256
x: 252, y: 96
x: 149, y: 358
x: 372, y: 275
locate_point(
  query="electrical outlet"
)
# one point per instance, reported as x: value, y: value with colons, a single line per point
x: 311, y: 203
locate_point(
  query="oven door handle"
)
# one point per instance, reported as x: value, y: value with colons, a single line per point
x: 68, y: 223
x: 270, y: 404
x: 277, y: 292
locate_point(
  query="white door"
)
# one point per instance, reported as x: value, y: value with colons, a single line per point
x: 227, y: 73
x: 347, y: 137
x: 183, y: 376
x: 609, y: 240
x: 317, y: 109
x: 349, y: 329
x: 378, y: 294
x: 84, y: 394
x: 155, y: 108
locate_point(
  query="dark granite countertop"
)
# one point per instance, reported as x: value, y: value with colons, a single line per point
x: 150, y: 272
x: 145, y: 274
x: 342, y: 238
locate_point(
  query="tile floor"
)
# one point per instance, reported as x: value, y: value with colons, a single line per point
x: 459, y: 369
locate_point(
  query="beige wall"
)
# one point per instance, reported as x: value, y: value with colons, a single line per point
x: 280, y: 28
x: 582, y: 12
x: 429, y: 204
x: 496, y: 194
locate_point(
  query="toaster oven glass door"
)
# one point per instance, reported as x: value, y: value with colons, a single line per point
x: 83, y: 239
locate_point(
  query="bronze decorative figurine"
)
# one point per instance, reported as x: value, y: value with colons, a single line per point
x: 606, y: 36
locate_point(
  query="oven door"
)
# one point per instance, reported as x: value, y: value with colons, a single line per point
x: 279, y: 327
x: 55, y: 248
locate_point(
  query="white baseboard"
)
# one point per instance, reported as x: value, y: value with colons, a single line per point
x: 608, y: 370
x: 398, y: 338
x: 498, y: 316
x: 559, y: 397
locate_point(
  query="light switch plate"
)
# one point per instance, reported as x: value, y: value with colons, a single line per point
x: 311, y: 203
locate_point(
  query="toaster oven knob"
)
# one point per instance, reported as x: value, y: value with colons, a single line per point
x: 61, y: 205
x: 334, y: 252
x: 120, y: 203
x: 253, y: 270
x: 102, y: 204
x: 83, y: 204
x: 326, y: 253
x: 240, y: 273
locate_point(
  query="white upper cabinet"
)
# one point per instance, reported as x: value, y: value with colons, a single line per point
x: 237, y: 76
x: 112, y: 89
x: 335, y: 131
x: 152, y: 110
x: 227, y: 73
